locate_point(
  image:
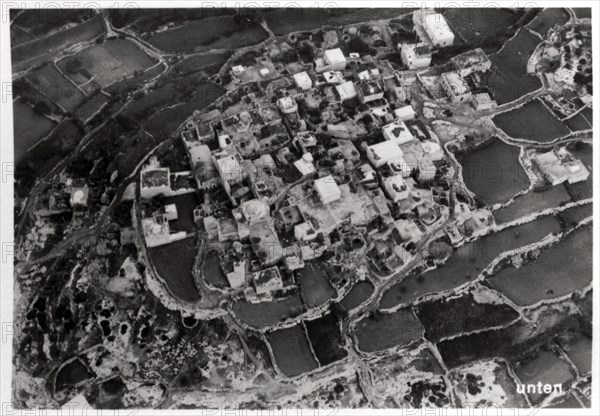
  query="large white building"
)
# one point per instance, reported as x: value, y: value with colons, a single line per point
x: 335, y: 59
x: 415, y: 55
x: 327, y: 189
x: 437, y: 29
x: 381, y: 153
x: 346, y: 90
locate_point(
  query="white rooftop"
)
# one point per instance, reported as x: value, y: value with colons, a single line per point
x: 385, y: 151
x: 346, y: 90
x: 327, y: 188
x: 303, y: 80
x: 397, y: 132
x: 335, y: 56
x: 438, y: 25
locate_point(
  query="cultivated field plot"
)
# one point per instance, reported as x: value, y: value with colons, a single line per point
x: 469, y: 312
x: 209, y: 63
x: 380, y: 331
x: 315, y: 286
x: 584, y: 152
x: 292, y: 351
x: 547, y: 278
x: 265, y: 314
x: 211, y: 270
x: 579, y: 350
x: 467, y: 262
x: 359, y: 294
x: 507, y: 88
x: 211, y: 33
x: 582, y: 120
x: 290, y: 19
x: 18, y: 35
x: 29, y: 127
x: 91, y: 107
x: 60, y: 143
x: 574, y: 215
x: 547, y: 19
x: 44, y: 21
x: 509, y: 79
x: 39, y: 50
x: 533, y: 122
x: 546, y: 368
x: 583, y: 12
x: 174, y: 263
x: 106, y: 63
x: 493, y: 172
x: 165, y: 122
x: 482, y: 26
x: 532, y: 202
x: 326, y: 339
x: 515, y: 53
x: 51, y: 83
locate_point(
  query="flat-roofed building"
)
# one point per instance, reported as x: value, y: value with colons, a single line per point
x: 395, y: 187
x: 415, y: 55
x: 406, y: 231
x: 381, y: 153
x: 335, y: 59
x: 287, y: 105
x: 267, y: 280
x: 303, y: 80
x: 155, y: 181
x: 405, y: 113
x: 370, y: 91
x: 471, y: 61
x: 237, y: 277
x: 327, y: 189
x: 333, y: 77
x: 346, y: 90
x: 305, y: 165
x: 437, y: 29
x: 482, y: 101
x: 455, y: 87
x: 397, y: 132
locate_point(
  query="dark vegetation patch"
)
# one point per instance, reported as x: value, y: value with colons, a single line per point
x: 174, y: 263
x: 448, y: 317
x: 326, y: 339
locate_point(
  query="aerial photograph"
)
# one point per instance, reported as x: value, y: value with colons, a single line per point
x: 301, y: 208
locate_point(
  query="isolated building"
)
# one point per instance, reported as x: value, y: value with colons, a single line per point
x: 79, y: 196
x: 437, y: 29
